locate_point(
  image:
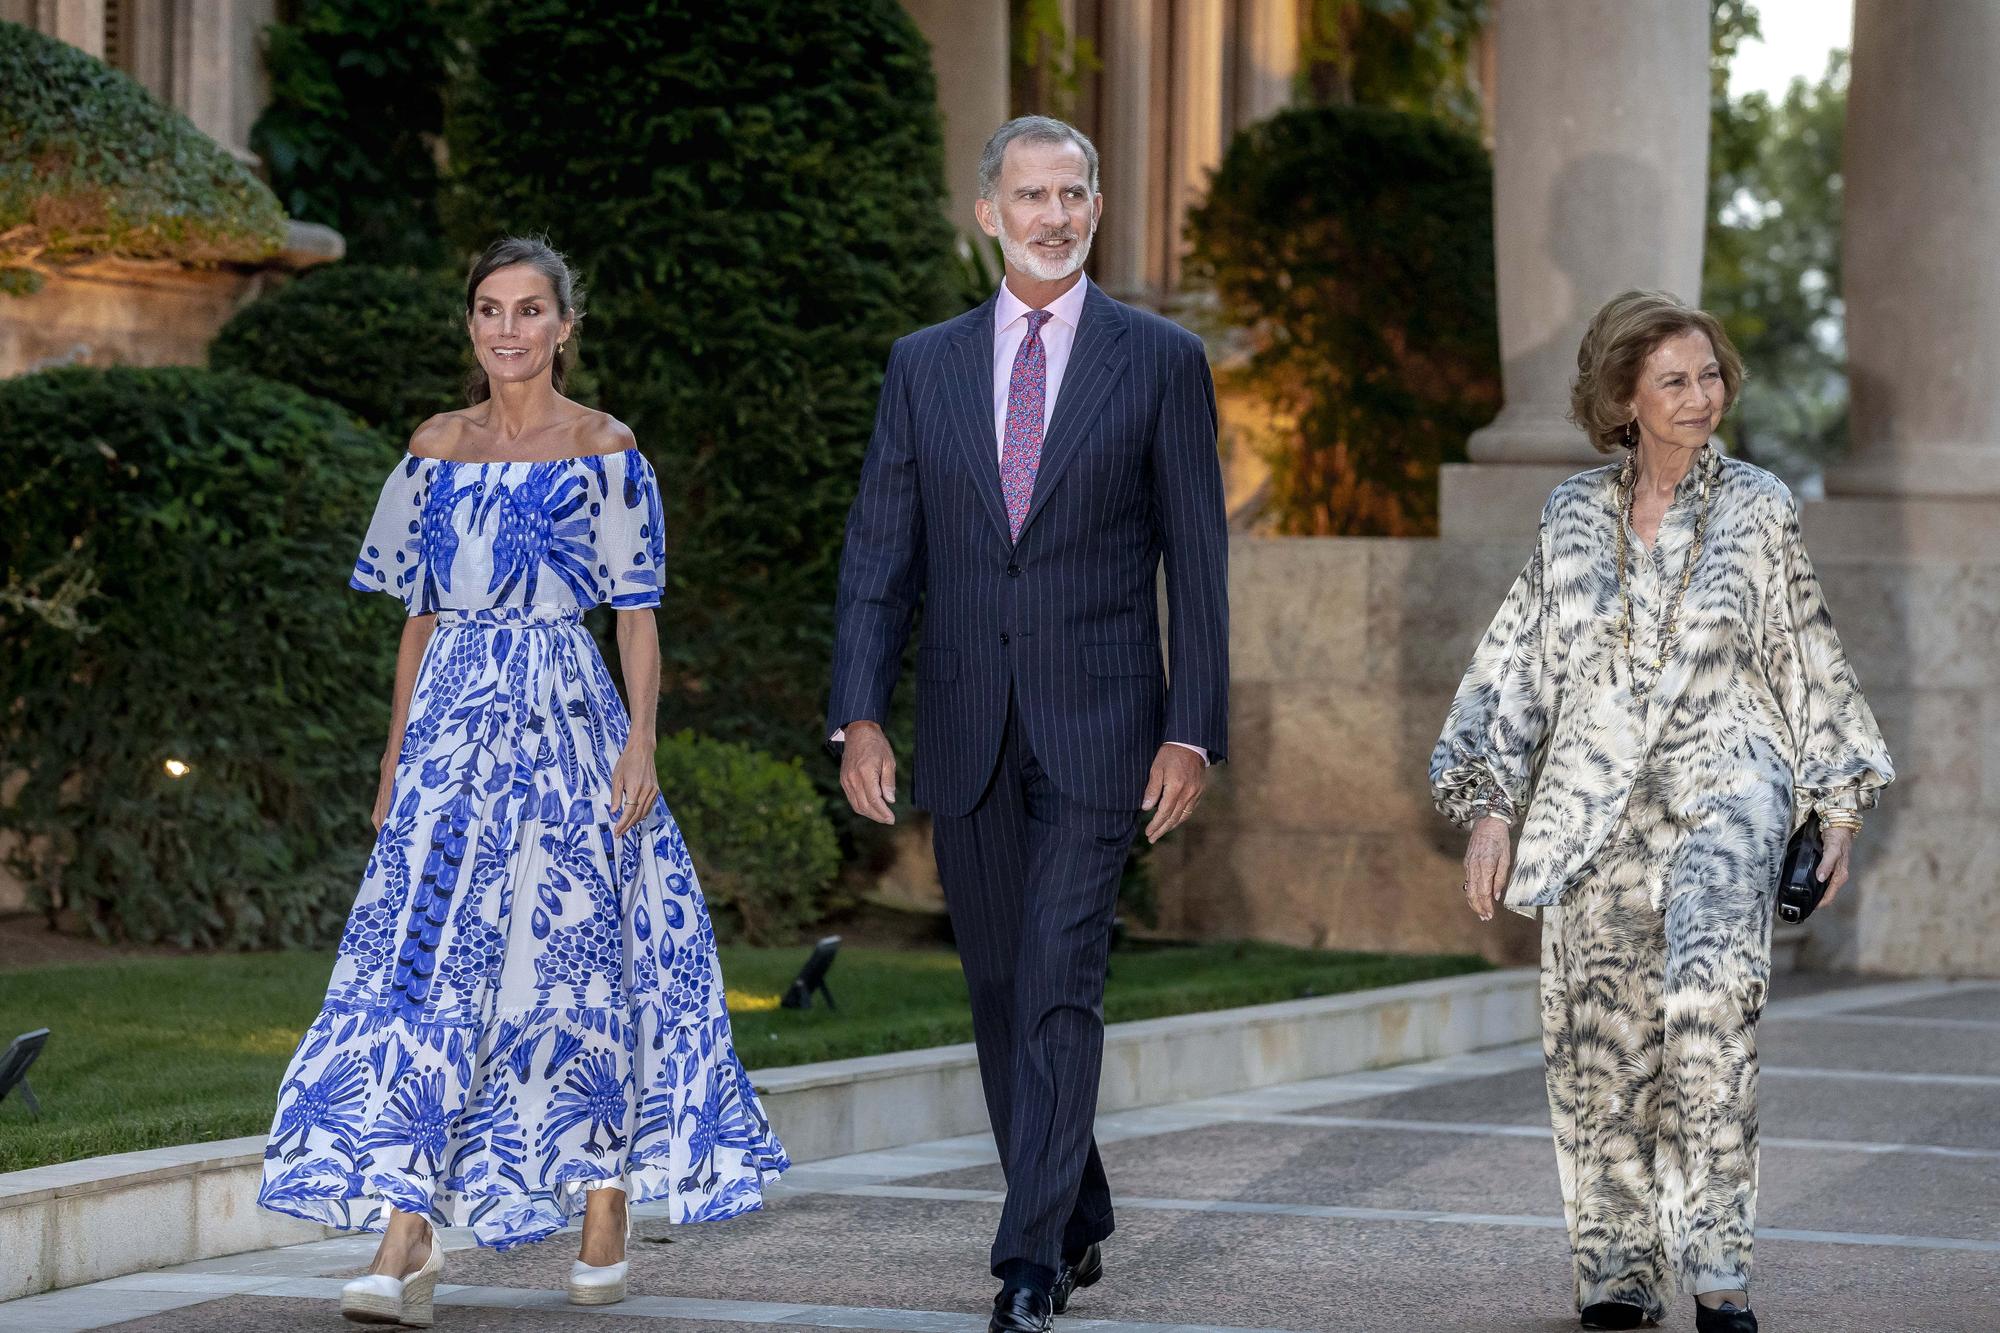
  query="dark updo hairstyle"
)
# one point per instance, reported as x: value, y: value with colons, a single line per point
x: 538, y: 254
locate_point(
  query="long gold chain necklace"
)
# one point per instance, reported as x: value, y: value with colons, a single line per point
x: 1627, y: 485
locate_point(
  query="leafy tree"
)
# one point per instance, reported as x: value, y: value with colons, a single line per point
x: 1416, y: 56
x: 351, y: 135
x: 1772, y: 269
x: 1354, y: 246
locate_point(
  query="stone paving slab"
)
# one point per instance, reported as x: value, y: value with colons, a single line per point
x: 1417, y: 1198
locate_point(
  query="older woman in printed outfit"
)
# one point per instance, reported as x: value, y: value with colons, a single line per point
x: 1659, y: 703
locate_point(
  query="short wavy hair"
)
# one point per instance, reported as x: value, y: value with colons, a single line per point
x: 1621, y: 336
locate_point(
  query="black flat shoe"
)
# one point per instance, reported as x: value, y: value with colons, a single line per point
x: 1728, y: 1319
x: 1020, y: 1310
x: 1614, y: 1314
x: 1087, y: 1271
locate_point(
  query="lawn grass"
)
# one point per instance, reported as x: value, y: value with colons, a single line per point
x: 148, y: 1052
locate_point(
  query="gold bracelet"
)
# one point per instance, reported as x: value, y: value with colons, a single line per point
x: 1846, y: 819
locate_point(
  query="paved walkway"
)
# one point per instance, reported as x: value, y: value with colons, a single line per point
x: 1415, y: 1198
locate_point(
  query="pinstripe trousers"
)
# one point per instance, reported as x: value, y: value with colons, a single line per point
x: 1031, y: 880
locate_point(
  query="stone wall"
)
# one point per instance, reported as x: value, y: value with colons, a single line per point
x: 1320, y: 831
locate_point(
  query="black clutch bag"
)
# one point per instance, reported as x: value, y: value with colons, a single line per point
x: 1799, y: 885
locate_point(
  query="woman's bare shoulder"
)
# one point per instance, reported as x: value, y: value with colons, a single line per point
x: 442, y: 435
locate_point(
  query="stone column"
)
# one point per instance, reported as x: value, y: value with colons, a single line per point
x: 1197, y: 111
x: 969, y: 52
x: 1267, y: 59
x: 1922, y: 287
x: 78, y: 22
x: 1600, y: 184
x: 1125, y: 146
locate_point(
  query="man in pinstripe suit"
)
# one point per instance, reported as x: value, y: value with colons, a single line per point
x: 1034, y: 462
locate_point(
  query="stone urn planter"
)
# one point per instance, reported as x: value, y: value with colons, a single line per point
x: 133, y: 312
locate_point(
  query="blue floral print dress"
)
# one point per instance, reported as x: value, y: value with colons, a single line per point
x: 523, y: 1006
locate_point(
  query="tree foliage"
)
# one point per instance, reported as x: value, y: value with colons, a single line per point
x: 92, y: 164
x: 753, y: 193
x: 351, y: 135
x: 1355, y: 246
x: 1416, y: 56
x: 1772, y: 268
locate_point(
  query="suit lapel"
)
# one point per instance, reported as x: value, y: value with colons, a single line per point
x: 1095, y: 363
x: 969, y: 384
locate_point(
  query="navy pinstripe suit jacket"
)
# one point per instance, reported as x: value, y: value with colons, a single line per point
x: 1067, y: 619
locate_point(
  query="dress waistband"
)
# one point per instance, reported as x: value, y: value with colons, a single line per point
x: 512, y: 615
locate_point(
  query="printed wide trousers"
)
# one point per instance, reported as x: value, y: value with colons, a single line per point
x: 1649, y: 1022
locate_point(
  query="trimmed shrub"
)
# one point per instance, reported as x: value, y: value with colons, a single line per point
x: 387, y: 344
x: 753, y: 194
x: 212, y: 517
x: 762, y: 844
x: 1356, y: 247
x: 90, y: 164
x: 357, y: 102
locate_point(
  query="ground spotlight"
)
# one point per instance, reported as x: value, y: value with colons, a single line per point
x: 14, y: 1066
x: 812, y: 977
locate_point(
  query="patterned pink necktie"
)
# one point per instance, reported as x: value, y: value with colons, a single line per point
x: 1027, y: 397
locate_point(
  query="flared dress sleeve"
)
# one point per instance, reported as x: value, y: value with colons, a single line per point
x: 1839, y: 761
x: 391, y: 558
x: 631, y: 538
x: 1484, y: 760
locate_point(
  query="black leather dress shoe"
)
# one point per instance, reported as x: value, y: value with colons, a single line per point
x: 1087, y: 1271
x: 1613, y: 1314
x: 1020, y: 1310
x: 1728, y: 1319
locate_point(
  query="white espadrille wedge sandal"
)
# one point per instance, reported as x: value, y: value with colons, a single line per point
x: 602, y: 1284
x: 407, y: 1301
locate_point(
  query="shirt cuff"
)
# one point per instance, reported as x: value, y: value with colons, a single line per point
x: 1196, y: 748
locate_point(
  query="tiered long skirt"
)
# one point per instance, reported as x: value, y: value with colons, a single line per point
x: 523, y: 1006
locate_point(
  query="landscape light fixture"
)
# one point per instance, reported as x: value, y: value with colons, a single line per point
x: 812, y: 977
x: 14, y: 1066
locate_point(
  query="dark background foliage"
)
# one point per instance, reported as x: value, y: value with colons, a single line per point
x: 1355, y: 245
x: 753, y: 195
x: 352, y: 131
x: 387, y: 344
x: 90, y: 163
x: 215, y: 514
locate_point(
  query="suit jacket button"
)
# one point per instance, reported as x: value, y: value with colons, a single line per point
x: 1003, y: 638
x: 1013, y: 571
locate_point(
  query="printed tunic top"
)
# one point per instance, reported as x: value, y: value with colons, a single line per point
x: 1753, y: 718
x: 570, y: 533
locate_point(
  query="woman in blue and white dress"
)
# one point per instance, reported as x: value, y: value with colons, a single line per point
x: 526, y: 1020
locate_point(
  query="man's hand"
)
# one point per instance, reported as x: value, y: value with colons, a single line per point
x: 868, y: 772
x: 1173, y: 789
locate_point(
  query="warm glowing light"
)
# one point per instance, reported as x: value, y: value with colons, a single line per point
x: 743, y: 1002
x: 176, y: 768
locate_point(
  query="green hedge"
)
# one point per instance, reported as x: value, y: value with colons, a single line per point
x: 762, y: 844
x: 753, y: 193
x: 1356, y: 246
x: 90, y: 163
x: 214, y: 514
x: 387, y: 344
x: 357, y: 102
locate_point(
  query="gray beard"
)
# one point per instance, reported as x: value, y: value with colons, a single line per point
x: 1025, y: 257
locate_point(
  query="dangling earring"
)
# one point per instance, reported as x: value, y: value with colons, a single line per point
x: 1631, y: 432
x: 559, y: 347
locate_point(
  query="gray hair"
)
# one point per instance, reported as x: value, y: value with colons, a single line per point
x: 1031, y: 129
